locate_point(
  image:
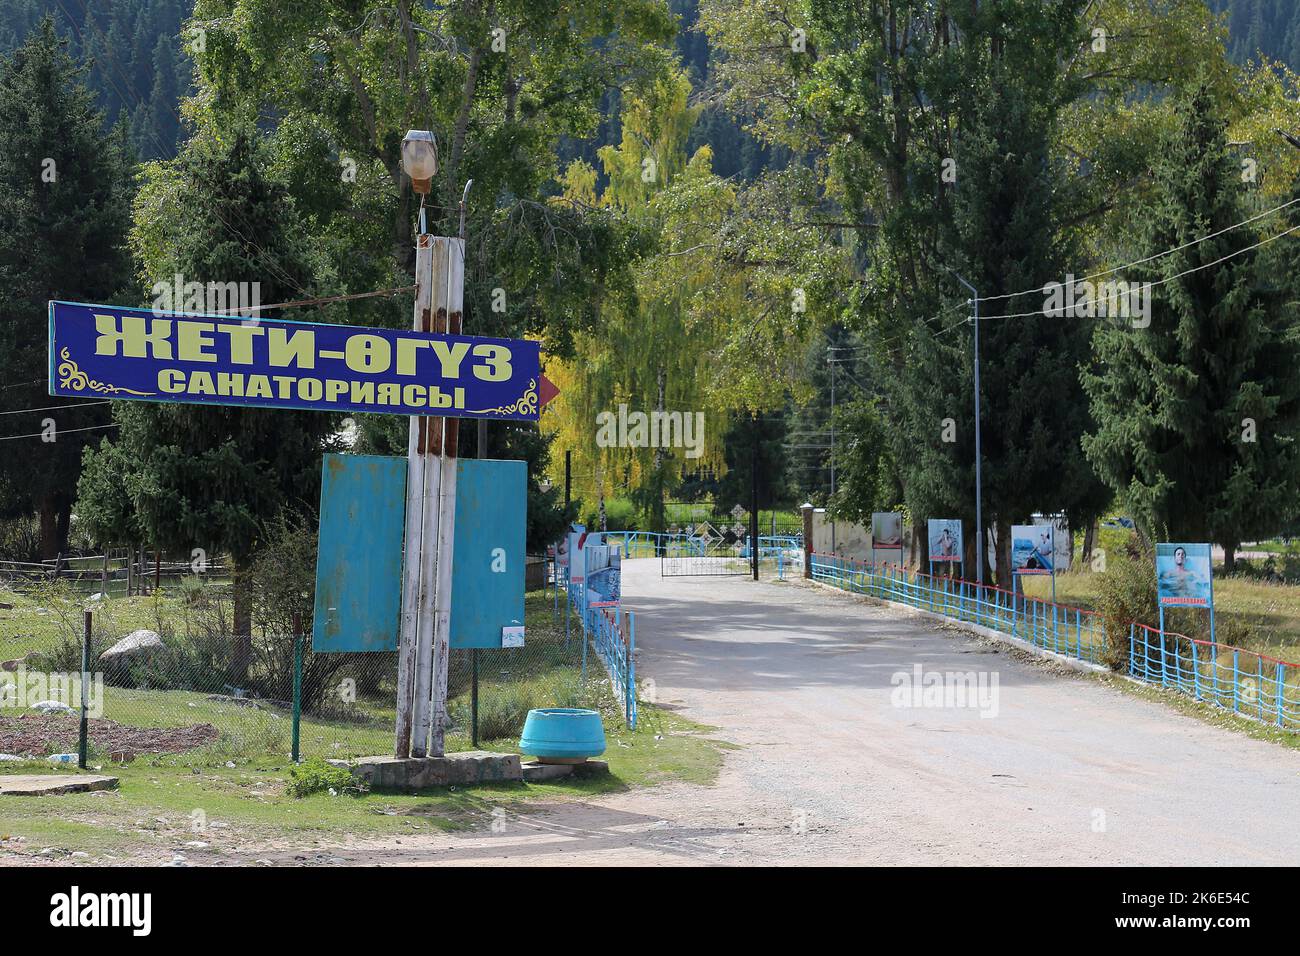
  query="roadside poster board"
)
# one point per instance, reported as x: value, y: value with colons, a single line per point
x: 562, y: 547
x: 1064, y: 543
x: 945, y: 539
x: 887, y: 530
x: 604, y: 563
x: 886, y: 537
x: 1033, y: 549
x: 577, y: 559
x: 1183, y: 575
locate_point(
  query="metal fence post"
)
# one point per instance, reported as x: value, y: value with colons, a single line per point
x: 83, y: 742
x: 1236, y: 681
x: 1281, y: 687
x: 297, y: 684
x: 631, y: 671
x: 473, y: 697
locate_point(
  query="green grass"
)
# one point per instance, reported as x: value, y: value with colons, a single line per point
x: 158, y: 800
x: 152, y: 811
x: 39, y: 618
x: 545, y: 672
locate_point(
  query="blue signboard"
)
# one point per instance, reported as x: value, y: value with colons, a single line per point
x: 111, y: 352
x: 359, y: 561
x: 359, y: 558
x: 488, y: 558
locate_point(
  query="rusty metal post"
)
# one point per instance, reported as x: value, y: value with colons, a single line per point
x: 415, y: 497
x: 449, y: 299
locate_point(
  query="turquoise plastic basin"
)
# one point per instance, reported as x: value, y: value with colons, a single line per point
x: 565, y: 733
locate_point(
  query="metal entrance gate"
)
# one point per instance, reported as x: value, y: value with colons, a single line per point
x: 714, y: 554
x: 703, y: 564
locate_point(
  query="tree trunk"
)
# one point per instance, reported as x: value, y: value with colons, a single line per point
x: 49, y: 528
x: 1005, y: 578
x: 63, y: 521
x: 1089, y: 540
x: 242, y: 640
x: 660, y: 524
x: 970, y: 554
x: 1229, y: 558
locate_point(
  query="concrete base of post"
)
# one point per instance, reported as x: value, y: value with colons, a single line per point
x: 408, y: 774
x: 537, y: 772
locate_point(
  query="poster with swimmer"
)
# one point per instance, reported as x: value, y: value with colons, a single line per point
x: 1183, y: 575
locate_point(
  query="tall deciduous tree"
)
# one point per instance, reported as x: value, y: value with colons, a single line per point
x: 65, y: 194
x: 1198, y: 414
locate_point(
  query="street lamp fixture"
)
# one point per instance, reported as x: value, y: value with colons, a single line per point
x: 420, y: 159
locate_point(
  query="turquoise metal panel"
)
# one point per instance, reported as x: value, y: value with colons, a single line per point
x: 488, y: 571
x: 359, y: 562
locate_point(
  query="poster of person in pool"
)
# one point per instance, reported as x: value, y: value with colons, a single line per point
x: 1183, y: 574
x: 887, y: 529
x: 945, y: 539
x: 604, y: 575
x: 1032, y: 548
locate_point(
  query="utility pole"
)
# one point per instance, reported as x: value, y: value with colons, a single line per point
x: 430, y: 486
x: 980, y: 547
x: 831, y: 362
x: 449, y: 283
x: 753, y: 500
x: 416, y: 463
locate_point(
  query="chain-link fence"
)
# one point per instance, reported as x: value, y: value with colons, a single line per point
x: 185, y: 686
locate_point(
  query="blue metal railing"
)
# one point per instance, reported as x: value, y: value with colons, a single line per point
x: 1244, y: 681
x: 614, y: 645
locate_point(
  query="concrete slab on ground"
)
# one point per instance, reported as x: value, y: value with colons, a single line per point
x: 47, y: 784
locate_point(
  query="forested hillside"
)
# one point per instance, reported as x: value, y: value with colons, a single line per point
x: 1271, y: 27
x: 140, y: 67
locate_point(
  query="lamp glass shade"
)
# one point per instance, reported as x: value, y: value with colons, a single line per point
x: 419, y: 154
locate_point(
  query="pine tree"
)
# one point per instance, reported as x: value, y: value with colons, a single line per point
x: 210, y: 476
x: 65, y: 190
x: 1034, y: 411
x: 1198, y: 414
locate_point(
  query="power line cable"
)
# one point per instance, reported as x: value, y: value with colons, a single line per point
x: 52, y: 408
x: 1151, y: 258
x: 69, y: 431
x: 1159, y: 282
